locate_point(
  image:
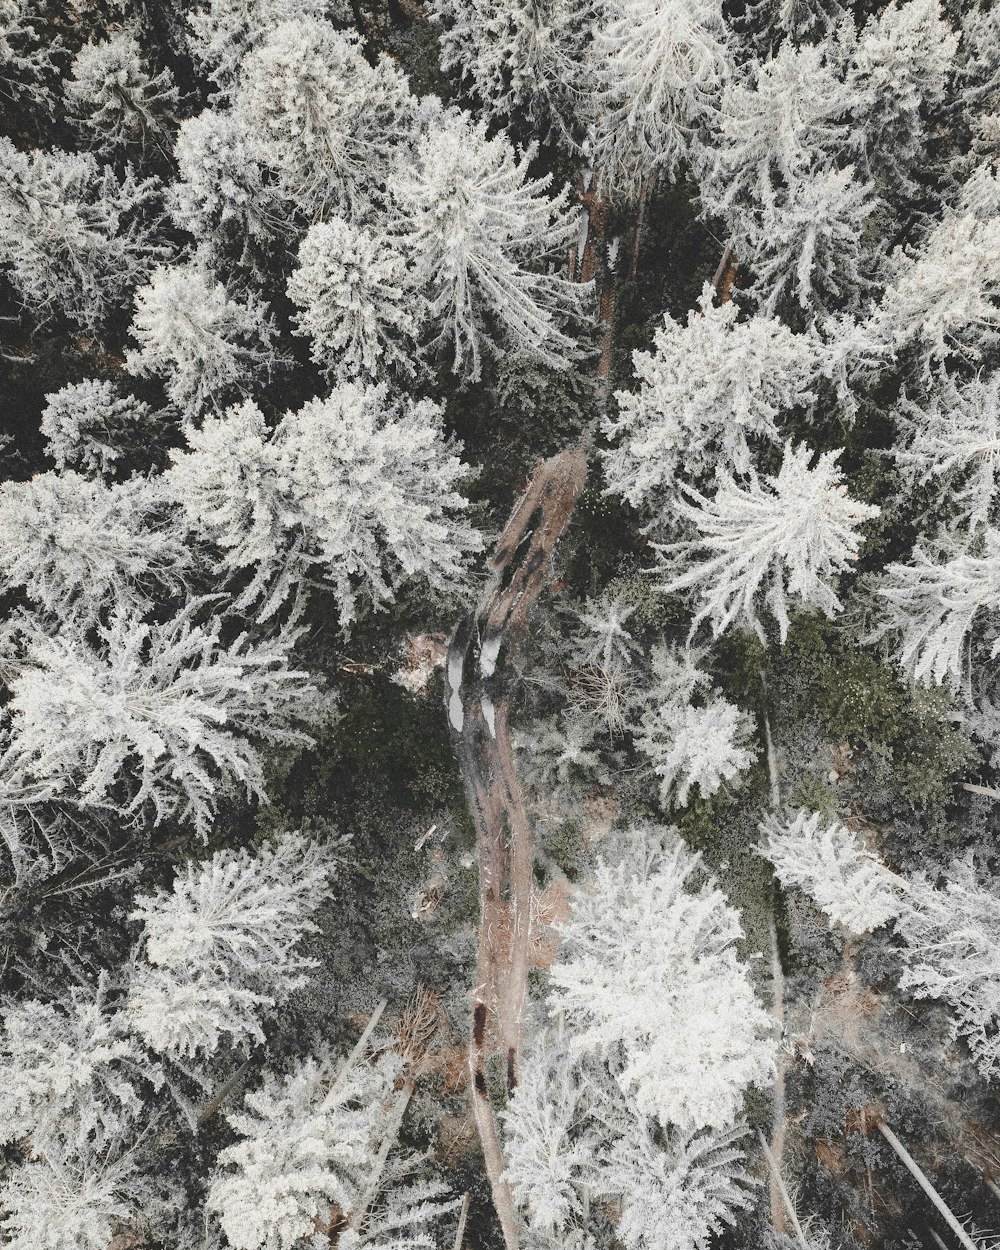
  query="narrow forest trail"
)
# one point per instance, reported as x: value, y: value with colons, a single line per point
x: 478, y: 718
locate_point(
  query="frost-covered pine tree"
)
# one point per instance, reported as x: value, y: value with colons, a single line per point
x: 91, y: 427
x: 27, y: 60
x: 74, y: 1199
x: 223, y: 946
x: 78, y: 546
x: 784, y: 119
x: 115, y: 97
x: 648, y: 966
x: 67, y: 1067
x: 809, y: 248
x: 75, y: 236
x: 660, y: 71
x: 932, y: 603
x: 222, y: 32
x: 481, y: 231
x: 156, y: 718
x: 710, y: 391
x: 776, y: 541
x: 328, y: 123
x: 352, y: 284
x: 950, y: 441
x: 693, y: 1183
x: 522, y: 57
x: 706, y: 745
x: 943, y: 299
x: 320, y: 1144
x: 951, y: 937
x: 828, y: 861
x: 224, y: 196
x: 571, y: 1135
x: 901, y: 66
x: 359, y: 487
x: 203, y: 343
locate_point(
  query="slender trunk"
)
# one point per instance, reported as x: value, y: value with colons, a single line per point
x: 919, y: 1176
x: 987, y: 790
x: 463, y: 1216
x: 359, y: 1048
x: 776, y: 1174
x: 237, y: 1079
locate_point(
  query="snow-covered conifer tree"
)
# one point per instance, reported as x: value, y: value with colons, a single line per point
x: 75, y: 236
x: 522, y: 56
x: 648, y: 964
x: 116, y: 98
x: 951, y: 441
x: 786, y: 118
x: 223, y: 195
x: 223, y: 946
x: 317, y: 1142
x: 828, y: 862
x: 712, y: 389
x: 901, y: 66
x: 693, y: 1183
x: 357, y: 486
x: 66, y: 1067
x: 932, y: 602
x: 660, y: 70
x: 358, y: 307
x: 27, y: 64
x: 202, y: 342
x: 808, y: 246
x: 943, y: 298
x: 326, y: 121
x: 776, y: 541
x: 222, y: 32
x: 78, y: 546
x: 90, y: 426
x: 480, y: 231
x: 161, y: 718
x: 73, y: 1200
x: 951, y: 937
x: 707, y: 745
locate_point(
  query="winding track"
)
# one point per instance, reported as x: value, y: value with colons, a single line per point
x: 478, y: 716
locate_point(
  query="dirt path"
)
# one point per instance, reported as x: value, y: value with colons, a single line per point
x: 478, y: 716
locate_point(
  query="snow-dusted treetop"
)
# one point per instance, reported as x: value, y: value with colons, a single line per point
x: 156, y: 717
x: 828, y: 861
x: 78, y: 546
x: 704, y: 746
x: 776, y: 540
x: 90, y: 425
x: 660, y: 70
x: 481, y: 232
x: 360, y: 487
x: 931, y: 603
x: 222, y: 32
x: 324, y: 120
x: 951, y: 937
x: 648, y: 964
x: 116, y: 98
x: 72, y: 233
x: 203, y: 343
x: 952, y: 442
x: 944, y: 299
x: 709, y: 390
x: 223, y: 945
x: 358, y: 305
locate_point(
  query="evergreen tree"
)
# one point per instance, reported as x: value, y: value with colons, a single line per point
x: 479, y: 229
x: 118, y: 101
x: 75, y: 237
x: 203, y: 343
x: 91, y: 427
x: 778, y: 539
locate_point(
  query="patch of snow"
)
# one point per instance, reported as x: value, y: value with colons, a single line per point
x: 490, y: 713
x: 488, y: 655
x: 456, y: 713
